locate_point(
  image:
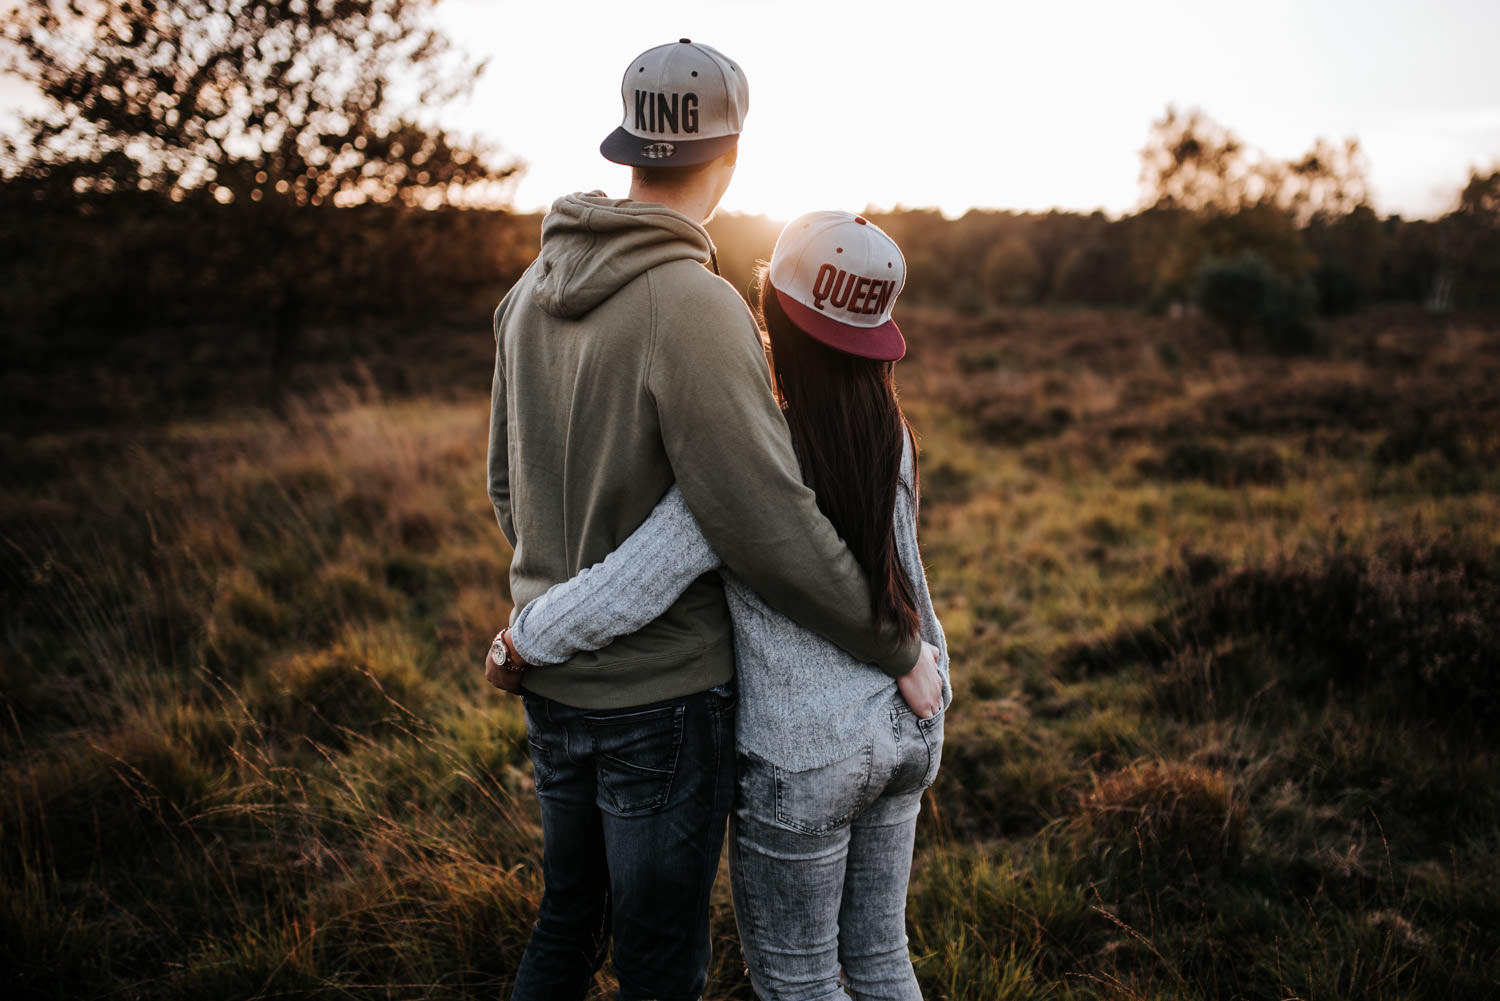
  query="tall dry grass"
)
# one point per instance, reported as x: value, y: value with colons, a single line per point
x: 1222, y: 629
x: 248, y: 747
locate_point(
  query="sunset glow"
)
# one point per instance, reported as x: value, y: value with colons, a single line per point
x: 952, y: 105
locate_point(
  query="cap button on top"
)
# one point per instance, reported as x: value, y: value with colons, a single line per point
x: 685, y: 41
x: 861, y: 220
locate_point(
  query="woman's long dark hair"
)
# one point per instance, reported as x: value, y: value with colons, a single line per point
x: 848, y: 430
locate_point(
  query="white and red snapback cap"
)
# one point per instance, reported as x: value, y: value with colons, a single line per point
x: 685, y: 103
x: 837, y: 275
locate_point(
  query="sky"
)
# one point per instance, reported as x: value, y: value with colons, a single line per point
x: 955, y: 104
x: 958, y: 104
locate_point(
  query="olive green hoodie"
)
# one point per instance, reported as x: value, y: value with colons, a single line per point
x: 622, y: 365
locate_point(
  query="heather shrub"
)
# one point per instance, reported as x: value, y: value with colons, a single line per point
x: 1410, y: 627
x: 1157, y: 822
x: 944, y: 483
x: 1017, y: 420
x: 1307, y: 403
x: 1233, y: 465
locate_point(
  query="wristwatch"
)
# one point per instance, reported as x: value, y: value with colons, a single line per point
x: 501, y: 653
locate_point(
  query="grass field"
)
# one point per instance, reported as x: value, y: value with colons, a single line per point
x: 1224, y: 633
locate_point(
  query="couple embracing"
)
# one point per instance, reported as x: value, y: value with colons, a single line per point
x: 720, y: 607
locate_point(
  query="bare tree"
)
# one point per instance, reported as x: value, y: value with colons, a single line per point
x: 292, y: 107
x: 1193, y: 163
x: 1213, y: 197
x: 293, y: 100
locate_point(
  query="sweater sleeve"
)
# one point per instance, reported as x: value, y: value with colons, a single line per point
x: 732, y: 456
x: 628, y: 589
x: 910, y: 555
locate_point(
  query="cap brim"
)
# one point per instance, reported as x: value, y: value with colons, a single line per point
x: 882, y: 343
x: 624, y: 147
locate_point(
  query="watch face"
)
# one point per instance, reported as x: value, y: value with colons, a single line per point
x: 498, y: 652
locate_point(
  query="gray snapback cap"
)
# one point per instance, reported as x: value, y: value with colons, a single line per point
x: 685, y: 103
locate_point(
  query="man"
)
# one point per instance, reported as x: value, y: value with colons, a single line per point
x: 622, y: 365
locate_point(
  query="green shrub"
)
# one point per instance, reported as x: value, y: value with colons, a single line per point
x: 1248, y: 298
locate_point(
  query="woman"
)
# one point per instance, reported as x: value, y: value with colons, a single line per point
x: 832, y: 758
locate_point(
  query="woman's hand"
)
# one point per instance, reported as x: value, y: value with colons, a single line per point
x: 922, y: 686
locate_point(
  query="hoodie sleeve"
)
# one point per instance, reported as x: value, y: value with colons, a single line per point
x: 499, y: 458
x: 732, y: 456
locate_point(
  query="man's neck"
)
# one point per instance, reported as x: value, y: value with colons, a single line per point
x: 696, y: 201
x: 695, y: 196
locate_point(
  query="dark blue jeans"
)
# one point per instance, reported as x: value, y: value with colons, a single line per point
x: 634, y: 806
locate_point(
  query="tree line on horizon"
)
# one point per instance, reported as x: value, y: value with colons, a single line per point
x: 245, y: 162
x: 1210, y: 204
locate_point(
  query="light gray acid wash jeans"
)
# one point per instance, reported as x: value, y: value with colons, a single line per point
x: 819, y: 862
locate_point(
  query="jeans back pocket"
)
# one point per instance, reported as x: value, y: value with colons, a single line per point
x: 635, y: 753
x: 820, y: 800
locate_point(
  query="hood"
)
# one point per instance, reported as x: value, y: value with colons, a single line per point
x: 592, y: 246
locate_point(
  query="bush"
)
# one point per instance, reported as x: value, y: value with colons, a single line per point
x: 108, y: 802
x: 1011, y: 272
x: 1339, y: 291
x: 365, y: 685
x: 1420, y: 432
x: 1247, y: 297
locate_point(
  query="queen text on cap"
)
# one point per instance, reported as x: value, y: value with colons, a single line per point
x: 837, y: 277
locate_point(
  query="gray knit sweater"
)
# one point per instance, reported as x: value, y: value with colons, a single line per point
x: 804, y: 702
